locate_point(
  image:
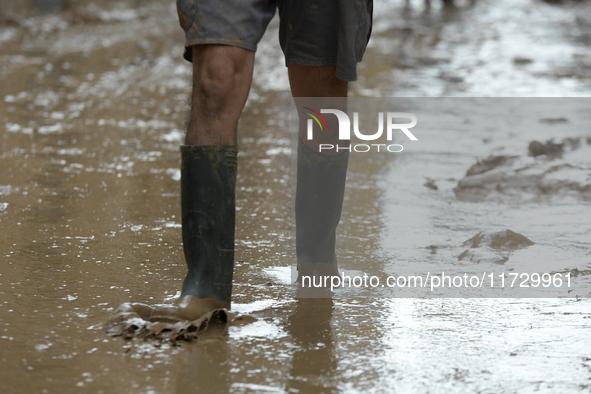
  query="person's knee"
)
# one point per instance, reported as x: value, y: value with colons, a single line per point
x: 214, y: 77
x: 219, y: 73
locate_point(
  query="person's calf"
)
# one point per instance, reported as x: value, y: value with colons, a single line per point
x: 316, y: 81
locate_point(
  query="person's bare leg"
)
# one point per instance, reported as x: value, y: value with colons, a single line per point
x: 222, y: 76
x: 320, y: 176
x: 315, y: 81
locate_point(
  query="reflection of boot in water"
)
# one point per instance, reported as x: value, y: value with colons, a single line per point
x: 319, y: 200
x: 313, y: 362
x: 208, y: 179
x: 205, y: 368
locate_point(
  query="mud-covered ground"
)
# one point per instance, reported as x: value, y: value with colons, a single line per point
x: 94, y: 101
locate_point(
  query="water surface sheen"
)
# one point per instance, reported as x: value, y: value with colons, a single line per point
x: 94, y: 101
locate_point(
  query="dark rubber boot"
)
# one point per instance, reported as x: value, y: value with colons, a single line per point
x: 208, y: 183
x: 319, y: 200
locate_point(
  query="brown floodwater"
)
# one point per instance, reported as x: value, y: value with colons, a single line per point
x: 94, y: 101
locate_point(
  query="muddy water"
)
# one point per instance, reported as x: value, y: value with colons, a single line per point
x: 94, y: 101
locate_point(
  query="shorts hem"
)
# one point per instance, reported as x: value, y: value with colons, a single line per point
x: 346, y: 76
x: 305, y: 61
x: 214, y: 41
x: 322, y: 62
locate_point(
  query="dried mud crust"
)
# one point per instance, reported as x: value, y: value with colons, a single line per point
x: 185, y: 321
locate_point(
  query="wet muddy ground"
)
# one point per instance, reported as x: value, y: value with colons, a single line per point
x: 93, y: 105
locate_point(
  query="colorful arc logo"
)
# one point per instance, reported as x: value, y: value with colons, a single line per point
x: 315, y: 116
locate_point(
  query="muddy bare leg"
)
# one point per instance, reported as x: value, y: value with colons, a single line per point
x: 321, y: 175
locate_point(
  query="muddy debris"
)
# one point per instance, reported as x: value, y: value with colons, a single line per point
x: 129, y: 323
x: 576, y: 272
x: 430, y: 183
x: 549, y: 149
x: 488, y: 164
x: 552, y: 149
x: 432, y: 248
x: 495, y: 247
x: 553, y: 120
x: 550, y: 170
x: 522, y: 61
x: 171, y: 323
x: 506, y: 239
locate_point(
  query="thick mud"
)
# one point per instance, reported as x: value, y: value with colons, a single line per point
x: 94, y: 102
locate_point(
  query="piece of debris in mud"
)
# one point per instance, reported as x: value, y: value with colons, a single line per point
x: 488, y: 164
x: 573, y: 272
x: 129, y: 322
x: 576, y: 272
x: 553, y: 120
x: 430, y: 184
x: 493, y: 247
x: 134, y: 320
x: 551, y: 170
x: 521, y: 61
x: 549, y: 149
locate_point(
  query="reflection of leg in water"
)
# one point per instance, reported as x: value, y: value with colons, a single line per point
x: 313, y: 363
x: 205, y: 368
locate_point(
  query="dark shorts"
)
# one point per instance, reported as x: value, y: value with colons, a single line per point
x: 311, y: 33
